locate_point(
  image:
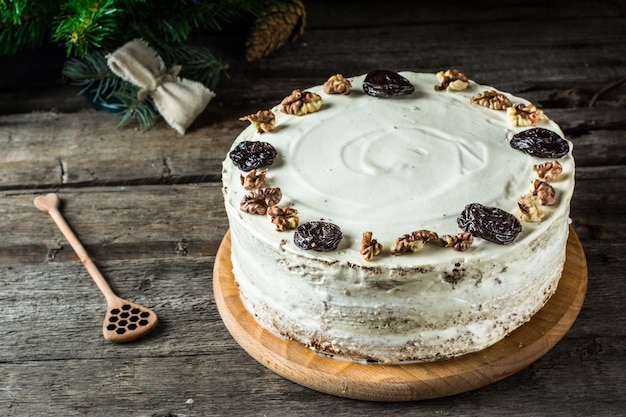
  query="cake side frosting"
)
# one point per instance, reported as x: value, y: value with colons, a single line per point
x: 391, y: 166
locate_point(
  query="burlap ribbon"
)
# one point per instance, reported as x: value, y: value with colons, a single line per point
x: 179, y: 100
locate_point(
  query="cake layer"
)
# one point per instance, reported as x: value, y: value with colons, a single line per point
x: 392, y: 166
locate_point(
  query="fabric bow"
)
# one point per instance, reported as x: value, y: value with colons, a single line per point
x: 178, y: 100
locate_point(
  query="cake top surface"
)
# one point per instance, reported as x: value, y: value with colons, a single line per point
x: 395, y: 165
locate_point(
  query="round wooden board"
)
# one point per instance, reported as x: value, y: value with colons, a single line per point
x: 377, y: 382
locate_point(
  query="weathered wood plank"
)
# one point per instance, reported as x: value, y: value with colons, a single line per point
x: 145, y: 387
x: 54, y: 149
x: 142, y: 386
x: 353, y: 13
x: 116, y: 223
x: 589, y: 203
x: 47, y: 343
x: 85, y: 148
x: 600, y: 148
x: 582, y: 120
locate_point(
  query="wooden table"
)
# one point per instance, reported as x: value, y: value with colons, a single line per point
x: 148, y: 207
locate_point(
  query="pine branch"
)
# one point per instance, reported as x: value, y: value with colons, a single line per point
x: 25, y: 24
x: 93, y: 74
x: 144, y: 110
x: 86, y: 23
x: 109, y: 92
x: 12, y: 11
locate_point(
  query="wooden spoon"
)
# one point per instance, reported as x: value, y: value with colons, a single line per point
x: 124, y: 321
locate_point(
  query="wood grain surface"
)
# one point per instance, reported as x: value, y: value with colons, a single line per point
x: 148, y: 208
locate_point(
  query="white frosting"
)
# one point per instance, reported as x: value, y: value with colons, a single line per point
x: 392, y: 166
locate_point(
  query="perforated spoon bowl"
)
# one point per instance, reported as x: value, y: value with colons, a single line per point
x: 124, y: 320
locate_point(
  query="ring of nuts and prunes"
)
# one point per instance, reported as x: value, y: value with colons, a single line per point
x: 489, y: 223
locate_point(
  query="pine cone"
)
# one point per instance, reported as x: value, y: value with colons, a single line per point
x: 275, y: 28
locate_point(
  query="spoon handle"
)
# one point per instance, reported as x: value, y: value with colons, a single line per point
x: 50, y: 204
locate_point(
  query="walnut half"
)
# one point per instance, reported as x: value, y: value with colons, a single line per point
x: 300, y: 103
x: 253, y: 180
x: 337, y: 84
x: 369, y: 246
x: 284, y: 219
x: 264, y: 120
x: 524, y: 115
x: 548, y: 171
x: 413, y: 242
x: 530, y: 208
x: 257, y: 201
x: 544, y: 191
x: 492, y: 100
x: 451, y: 80
x: 461, y: 242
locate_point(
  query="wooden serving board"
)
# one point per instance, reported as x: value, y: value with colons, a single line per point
x: 377, y: 382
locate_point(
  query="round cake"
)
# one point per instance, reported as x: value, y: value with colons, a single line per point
x: 398, y: 217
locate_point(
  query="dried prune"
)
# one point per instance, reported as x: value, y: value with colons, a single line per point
x: 318, y: 236
x: 490, y: 223
x: 540, y: 142
x: 249, y: 155
x: 385, y: 83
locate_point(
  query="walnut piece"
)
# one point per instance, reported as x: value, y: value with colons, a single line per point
x: 548, y: 171
x: 492, y: 99
x: 257, y: 201
x: 369, y: 247
x: 524, y: 115
x: 451, y: 80
x: 530, y: 208
x: 337, y: 84
x: 461, y: 242
x: 413, y: 242
x: 544, y: 191
x: 300, y: 103
x: 284, y: 219
x: 253, y: 180
x: 264, y: 120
